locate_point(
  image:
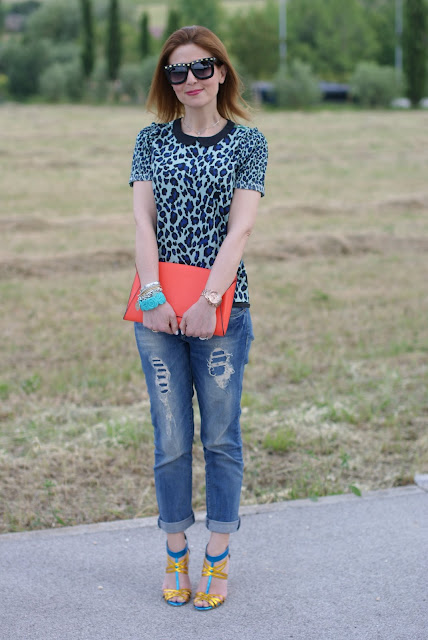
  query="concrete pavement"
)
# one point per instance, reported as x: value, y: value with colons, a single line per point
x: 341, y: 568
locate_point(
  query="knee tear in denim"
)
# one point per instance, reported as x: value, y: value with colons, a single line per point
x: 220, y: 367
x: 163, y: 376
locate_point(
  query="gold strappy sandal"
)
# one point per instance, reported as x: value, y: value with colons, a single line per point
x: 210, y: 571
x: 177, y: 566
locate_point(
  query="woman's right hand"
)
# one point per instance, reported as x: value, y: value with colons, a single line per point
x: 162, y: 318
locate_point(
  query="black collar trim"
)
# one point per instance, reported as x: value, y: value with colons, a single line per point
x: 207, y: 141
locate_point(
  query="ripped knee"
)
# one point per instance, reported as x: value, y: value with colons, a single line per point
x: 220, y: 367
x: 163, y: 376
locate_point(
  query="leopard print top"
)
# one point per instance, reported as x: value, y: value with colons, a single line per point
x: 193, y: 183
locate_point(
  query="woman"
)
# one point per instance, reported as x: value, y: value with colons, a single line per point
x: 197, y: 179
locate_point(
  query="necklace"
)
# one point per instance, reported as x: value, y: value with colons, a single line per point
x: 198, y: 133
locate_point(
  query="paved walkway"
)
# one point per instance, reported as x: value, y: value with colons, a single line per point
x: 341, y: 568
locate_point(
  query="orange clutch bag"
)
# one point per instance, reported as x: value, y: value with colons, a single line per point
x: 182, y: 285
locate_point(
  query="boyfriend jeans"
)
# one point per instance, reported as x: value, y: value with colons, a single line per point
x: 174, y: 366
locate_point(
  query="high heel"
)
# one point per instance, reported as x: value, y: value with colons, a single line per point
x: 210, y: 571
x: 177, y: 566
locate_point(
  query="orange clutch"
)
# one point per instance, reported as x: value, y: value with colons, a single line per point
x: 182, y: 285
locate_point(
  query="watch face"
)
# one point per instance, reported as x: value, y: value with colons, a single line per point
x: 214, y: 297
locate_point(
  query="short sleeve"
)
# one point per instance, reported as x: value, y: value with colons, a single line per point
x: 251, y: 170
x: 142, y: 158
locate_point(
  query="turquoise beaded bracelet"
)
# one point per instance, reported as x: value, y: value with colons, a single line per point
x: 152, y: 302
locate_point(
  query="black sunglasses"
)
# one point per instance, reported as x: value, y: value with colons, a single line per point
x: 202, y: 69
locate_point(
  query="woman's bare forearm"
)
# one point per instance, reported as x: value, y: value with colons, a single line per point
x: 226, y: 263
x: 241, y: 222
x: 146, y: 254
x: 146, y: 248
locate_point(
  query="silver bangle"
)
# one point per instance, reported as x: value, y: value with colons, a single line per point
x: 149, y: 294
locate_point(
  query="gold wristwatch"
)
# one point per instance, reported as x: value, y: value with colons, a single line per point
x: 212, y: 297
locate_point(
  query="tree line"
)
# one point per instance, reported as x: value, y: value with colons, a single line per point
x: 97, y: 48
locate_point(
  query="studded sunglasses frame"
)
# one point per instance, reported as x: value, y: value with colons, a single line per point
x: 184, y: 68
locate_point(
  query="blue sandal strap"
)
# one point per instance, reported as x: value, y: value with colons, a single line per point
x: 177, y: 554
x: 217, y: 558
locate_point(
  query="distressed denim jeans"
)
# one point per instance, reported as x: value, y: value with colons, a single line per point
x: 175, y: 366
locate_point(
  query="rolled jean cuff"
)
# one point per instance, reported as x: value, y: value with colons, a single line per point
x: 222, y: 527
x: 176, y: 527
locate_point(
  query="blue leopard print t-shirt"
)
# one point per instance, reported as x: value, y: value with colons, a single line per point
x: 193, y: 183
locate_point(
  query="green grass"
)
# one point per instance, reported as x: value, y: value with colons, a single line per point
x: 335, y: 393
x: 283, y: 439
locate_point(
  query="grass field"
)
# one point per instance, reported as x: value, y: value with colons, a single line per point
x: 335, y: 397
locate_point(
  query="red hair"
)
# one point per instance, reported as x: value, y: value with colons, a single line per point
x: 162, y: 99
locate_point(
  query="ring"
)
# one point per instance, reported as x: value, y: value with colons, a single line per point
x: 153, y: 331
x: 202, y: 338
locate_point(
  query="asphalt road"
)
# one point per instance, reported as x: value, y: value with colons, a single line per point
x: 341, y: 568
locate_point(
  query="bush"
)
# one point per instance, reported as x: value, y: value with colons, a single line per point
x: 64, y: 52
x: 147, y: 72
x: 57, y: 20
x: 130, y: 81
x: 253, y: 39
x: 23, y: 63
x: 98, y: 87
x: 133, y: 83
x: 24, y: 7
x: 52, y: 83
x: 373, y: 85
x: 246, y: 80
x: 3, y: 86
x: 297, y: 86
x: 74, y: 80
x: 62, y: 81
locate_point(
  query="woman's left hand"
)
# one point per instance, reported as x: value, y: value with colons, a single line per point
x: 199, y: 320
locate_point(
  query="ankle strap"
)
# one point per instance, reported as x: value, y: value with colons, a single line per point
x: 217, y: 558
x: 176, y: 554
